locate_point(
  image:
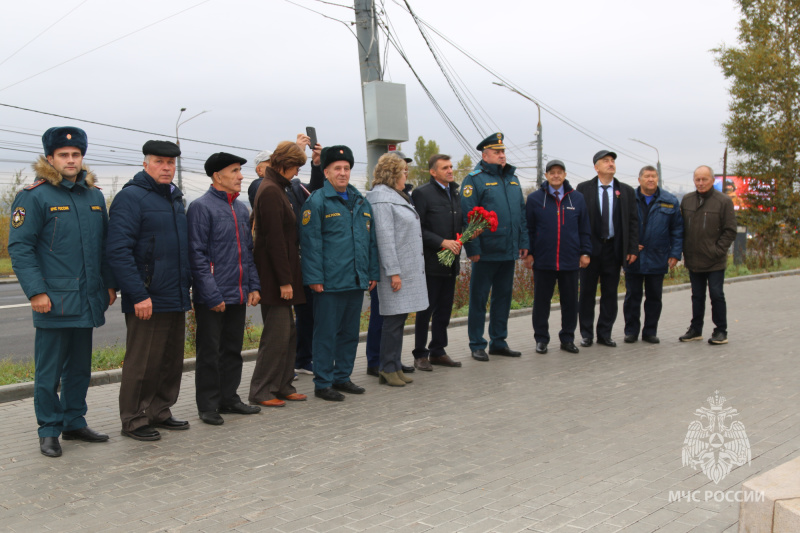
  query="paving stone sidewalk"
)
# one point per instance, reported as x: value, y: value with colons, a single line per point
x: 556, y: 442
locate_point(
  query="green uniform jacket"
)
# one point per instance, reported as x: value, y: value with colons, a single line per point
x: 337, y: 241
x: 496, y: 189
x: 57, y: 246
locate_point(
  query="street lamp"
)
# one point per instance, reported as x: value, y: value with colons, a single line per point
x: 658, y: 163
x: 178, y: 124
x: 539, y: 167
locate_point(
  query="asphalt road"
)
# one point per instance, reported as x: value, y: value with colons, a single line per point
x: 17, y: 333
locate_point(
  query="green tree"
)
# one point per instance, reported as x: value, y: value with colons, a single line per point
x: 6, y: 200
x: 763, y: 128
x: 463, y: 168
x: 418, y: 174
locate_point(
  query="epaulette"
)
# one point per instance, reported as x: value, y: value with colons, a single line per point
x: 34, y: 185
x: 475, y: 172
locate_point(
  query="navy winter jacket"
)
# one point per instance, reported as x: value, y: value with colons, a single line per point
x: 559, y: 231
x: 660, y: 232
x: 220, y: 250
x: 148, y: 245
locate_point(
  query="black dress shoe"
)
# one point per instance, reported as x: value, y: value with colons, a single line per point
x: 49, y: 446
x: 143, y: 433
x: 329, y: 394
x: 373, y: 371
x: 606, y: 341
x: 541, y: 347
x: 239, y: 408
x: 85, y: 434
x: 172, y: 423
x: 406, y: 369
x: 349, y: 387
x: 652, y: 339
x: 629, y: 339
x: 569, y: 347
x: 444, y: 360
x: 508, y: 352
x: 586, y: 342
x: 211, y: 417
x: 480, y: 355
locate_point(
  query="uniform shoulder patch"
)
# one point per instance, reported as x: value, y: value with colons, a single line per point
x: 467, y: 191
x: 33, y: 185
x: 306, y: 216
x: 18, y: 217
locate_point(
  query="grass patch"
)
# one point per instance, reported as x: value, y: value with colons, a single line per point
x: 5, y: 266
x: 111, y: 357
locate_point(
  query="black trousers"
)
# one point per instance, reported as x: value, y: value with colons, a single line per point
x: 441, y: 292
x: 152, y: 368
x: 219, y: 356
x: 544, y: 283
x: 719, y: 309
x: 392, y: 342
x: 304, y: 324
x: 632, y: 307
x: 605, y: 268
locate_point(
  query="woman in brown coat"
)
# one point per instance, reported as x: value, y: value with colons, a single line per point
x: 277, y: 258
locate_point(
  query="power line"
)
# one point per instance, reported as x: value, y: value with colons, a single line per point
x: 43, y: 32
x: 123, y: 127
x: 104, y: 45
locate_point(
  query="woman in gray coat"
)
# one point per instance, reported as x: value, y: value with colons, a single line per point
x: 402, y: 287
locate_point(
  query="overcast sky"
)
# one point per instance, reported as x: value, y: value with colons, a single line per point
x: 266, y: 69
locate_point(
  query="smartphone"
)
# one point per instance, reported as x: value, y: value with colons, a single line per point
x: 312, y: 133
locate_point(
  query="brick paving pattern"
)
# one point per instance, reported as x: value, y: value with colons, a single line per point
x: 549, y: 443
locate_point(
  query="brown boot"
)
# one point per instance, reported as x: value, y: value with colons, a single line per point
x: 391, y: 379
x: 422, y: 363
x: 444, y: 360
x: 403, y: 377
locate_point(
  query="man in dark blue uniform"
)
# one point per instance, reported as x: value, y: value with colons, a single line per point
x: 560, y: 245
x: 339, y: 261
x: 493, y: 186
x: 57, y: 247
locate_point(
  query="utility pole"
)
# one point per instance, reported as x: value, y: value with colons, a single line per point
x: 369, y: 59
x: 178, y: 124
x: 539, y: 156
x: 658, y: 162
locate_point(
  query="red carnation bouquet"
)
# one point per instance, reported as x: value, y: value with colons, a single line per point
x: 479, y: 219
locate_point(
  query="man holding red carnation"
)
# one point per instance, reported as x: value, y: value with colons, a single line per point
x: 492, y: 186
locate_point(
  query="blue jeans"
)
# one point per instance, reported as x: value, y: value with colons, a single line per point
x: 719, y: 311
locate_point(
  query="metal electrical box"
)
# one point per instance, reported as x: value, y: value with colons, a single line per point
x: 385, y: 112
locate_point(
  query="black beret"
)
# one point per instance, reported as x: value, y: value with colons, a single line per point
x: 554, y: 163
x: 493, y: 141
x: 601, y: 154
x: 62, y: 136
x: 161, y: 148
x: 331, y: 154
x: 221, y: 160
x: 402, y: 156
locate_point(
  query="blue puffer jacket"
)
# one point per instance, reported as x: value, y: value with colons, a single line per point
x: 497, y: 189
x: 660, y: 232
x: 220, y: 250
x: 559, y: 230
x: 148, y: 245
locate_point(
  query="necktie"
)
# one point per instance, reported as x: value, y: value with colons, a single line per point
x: 604, y: 216
x: 555, y: 193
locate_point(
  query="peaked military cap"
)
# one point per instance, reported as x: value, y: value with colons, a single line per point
x: 331, y: 154
x: 62, y: 136
x: 161, y: 148
x: 493, y: 141
x: 220, y: 161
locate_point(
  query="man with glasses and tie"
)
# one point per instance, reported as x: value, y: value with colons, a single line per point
x: 615, y: 239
